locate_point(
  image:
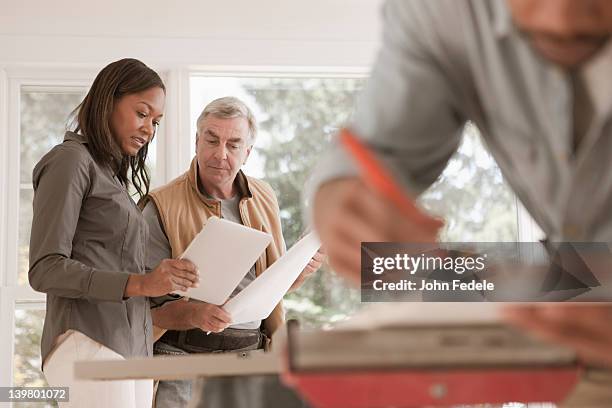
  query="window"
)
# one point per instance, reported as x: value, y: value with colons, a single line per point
x: 43, y: 119
x: 297, y: 117
x: 473, y: 197
x: 26, y: 360
x: 38, y: 104
x: 26, y: 368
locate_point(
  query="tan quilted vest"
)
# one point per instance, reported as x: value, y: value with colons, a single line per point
x: 184, y: 210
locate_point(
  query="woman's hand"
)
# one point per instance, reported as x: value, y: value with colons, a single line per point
x: 170, y: 275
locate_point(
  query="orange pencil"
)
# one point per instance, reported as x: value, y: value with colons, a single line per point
x: 380, y: 180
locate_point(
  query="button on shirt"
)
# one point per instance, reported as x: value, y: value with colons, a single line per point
x: 87, y: 237
x: 445, y: 62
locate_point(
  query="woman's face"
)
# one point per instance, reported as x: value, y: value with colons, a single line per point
x: 135, y: 118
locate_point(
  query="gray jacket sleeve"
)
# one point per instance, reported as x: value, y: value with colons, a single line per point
x: 408, y: 113
x: 61, y: 184
x: 158, y: 248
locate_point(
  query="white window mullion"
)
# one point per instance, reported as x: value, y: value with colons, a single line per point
x: 14, y: 80
x: 176, y: 148
x: 13, y: 182
x: 4, y: 177
x: 7, y: 323
x: 528, y: 229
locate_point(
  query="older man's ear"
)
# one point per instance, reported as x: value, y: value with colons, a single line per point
x: 247, y: 155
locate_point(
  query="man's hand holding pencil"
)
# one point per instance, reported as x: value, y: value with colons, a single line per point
x: 370, y: 207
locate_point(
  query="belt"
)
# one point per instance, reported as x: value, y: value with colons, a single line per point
x: 197, y: 341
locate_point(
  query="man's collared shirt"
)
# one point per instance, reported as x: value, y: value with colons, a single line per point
x: 445, y: 62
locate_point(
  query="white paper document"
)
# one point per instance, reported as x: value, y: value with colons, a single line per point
x: 224, y: 252
x: 257, y: 300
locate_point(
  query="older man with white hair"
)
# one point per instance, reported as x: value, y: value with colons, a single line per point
x: 214, y: 185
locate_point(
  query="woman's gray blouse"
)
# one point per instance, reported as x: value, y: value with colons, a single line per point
x: 87, y: 237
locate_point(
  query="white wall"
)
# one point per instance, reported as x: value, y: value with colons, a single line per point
x: 196, y: 32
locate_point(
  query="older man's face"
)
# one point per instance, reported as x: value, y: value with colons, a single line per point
x: 222, y: 147
x: 567, y: 32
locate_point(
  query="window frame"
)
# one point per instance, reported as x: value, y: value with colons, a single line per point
x: 12, y: 81
x: 527, y: 229
x: 231, y: 71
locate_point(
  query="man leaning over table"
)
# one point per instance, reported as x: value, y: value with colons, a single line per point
x: 535, y: 76
x: 214, y: 185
